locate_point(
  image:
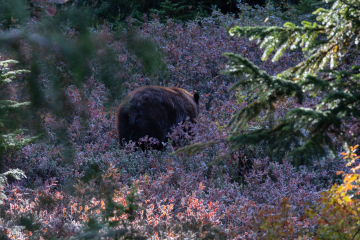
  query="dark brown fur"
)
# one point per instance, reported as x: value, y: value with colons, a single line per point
x: 153, y: 110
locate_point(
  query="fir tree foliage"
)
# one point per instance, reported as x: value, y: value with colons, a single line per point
x: 9, y: 129
x: 326, y: 45
x: 9, y: 134
x: 330, y: 46
x: 182, y: 10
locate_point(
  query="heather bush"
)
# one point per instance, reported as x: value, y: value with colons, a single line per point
x: 340, y: 202
x: 303, y: 133
x: 81, y: 184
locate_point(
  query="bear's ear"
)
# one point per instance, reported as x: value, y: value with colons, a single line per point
x: 196, y: 98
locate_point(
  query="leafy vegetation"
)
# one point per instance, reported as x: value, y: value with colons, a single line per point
x: 116, y: 11
x: 12, y: 13
x: 120, y: 10
x: 10, y: 138
x: 302, y: 133
x: 80, y: 184
x: 9, y: 124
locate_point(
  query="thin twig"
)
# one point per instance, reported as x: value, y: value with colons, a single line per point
x: 349, y: 4
x: 333, y: 78
x: 356, y: 233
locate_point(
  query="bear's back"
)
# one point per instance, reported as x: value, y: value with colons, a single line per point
x: 153, y: 110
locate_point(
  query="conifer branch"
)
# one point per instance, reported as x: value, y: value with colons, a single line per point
x: 351, y: 5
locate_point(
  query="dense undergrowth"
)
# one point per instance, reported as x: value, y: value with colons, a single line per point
x: 81, y: 184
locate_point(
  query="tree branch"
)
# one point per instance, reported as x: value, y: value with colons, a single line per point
x: 349, y: 4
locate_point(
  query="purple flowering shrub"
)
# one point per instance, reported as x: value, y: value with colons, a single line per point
x: 180, y: 196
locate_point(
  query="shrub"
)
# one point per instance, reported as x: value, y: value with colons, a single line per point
x: 83, y: 73
x: 336, y: 212
x: 303, y: 133
x: 12, y: 13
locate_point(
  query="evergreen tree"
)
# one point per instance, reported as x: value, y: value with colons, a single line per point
x: 9, y: 127
x: 330, y: 46
x: 180, y: 10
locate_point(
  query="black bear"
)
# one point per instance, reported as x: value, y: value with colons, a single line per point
x: 153, y: 110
